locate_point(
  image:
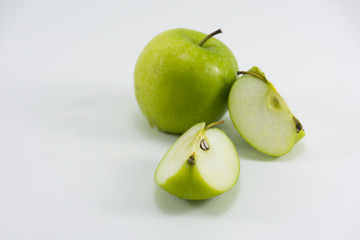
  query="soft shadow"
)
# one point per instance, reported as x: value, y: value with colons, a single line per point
x: 100, y: 116
x: 297, y: 150
x: 141, y: 124
x: 246, y: 151
x: 172, y: 205
x: 105, y: 116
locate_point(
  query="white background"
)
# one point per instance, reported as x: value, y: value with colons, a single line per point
x: 77, y: 157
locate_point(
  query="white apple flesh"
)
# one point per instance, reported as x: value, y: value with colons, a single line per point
x: 201, y: 164
x: 262, y: 116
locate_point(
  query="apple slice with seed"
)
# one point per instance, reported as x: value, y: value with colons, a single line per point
x: 262, y: 116
x: 201, y: 164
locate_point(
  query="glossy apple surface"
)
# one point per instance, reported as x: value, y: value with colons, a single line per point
x: 179, y: 83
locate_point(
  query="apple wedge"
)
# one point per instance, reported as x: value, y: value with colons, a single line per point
x: 201, y: 164
x: 262, y: 116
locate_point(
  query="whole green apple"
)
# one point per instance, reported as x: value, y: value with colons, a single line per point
x: 183, y: 77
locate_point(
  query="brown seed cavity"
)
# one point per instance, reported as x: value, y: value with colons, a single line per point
x: 204, y: 145
x: 298, y: 125
x: 191, y: 159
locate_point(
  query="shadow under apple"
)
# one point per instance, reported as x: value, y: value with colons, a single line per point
x: 105, y: 117
x: 141, y: 125
x: 172, y: 205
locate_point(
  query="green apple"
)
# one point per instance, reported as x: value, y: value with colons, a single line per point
x: 262, y: 116
x: 201, y: 164
x: 183, y: 77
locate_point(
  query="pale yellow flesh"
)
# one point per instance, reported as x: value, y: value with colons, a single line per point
x: 262, y: 116
x: 214, y: 171
x: 178, y: 153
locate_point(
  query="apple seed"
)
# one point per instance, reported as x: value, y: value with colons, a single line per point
x: 191, y: 159
x: 204, y: 145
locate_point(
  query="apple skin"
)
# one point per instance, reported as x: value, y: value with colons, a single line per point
x: 188, y: 184
x: 281, y: 109
x: 191, y: 180
x: 179, y: 83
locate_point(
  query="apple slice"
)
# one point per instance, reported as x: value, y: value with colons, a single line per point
x: 201, y: 164
x: 262, y: 116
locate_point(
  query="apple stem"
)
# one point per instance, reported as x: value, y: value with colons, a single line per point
x: 209, y: 36
x: 213, y: 124
x: 253, y: 74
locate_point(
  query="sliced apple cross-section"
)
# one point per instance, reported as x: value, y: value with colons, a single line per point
x: 201, y: 164
x: 262, y: 116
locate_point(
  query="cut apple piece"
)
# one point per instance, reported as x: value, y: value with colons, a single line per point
x: 201, y: 164
x: 262, y: 116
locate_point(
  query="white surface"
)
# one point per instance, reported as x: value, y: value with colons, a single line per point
x: 77, y: 157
